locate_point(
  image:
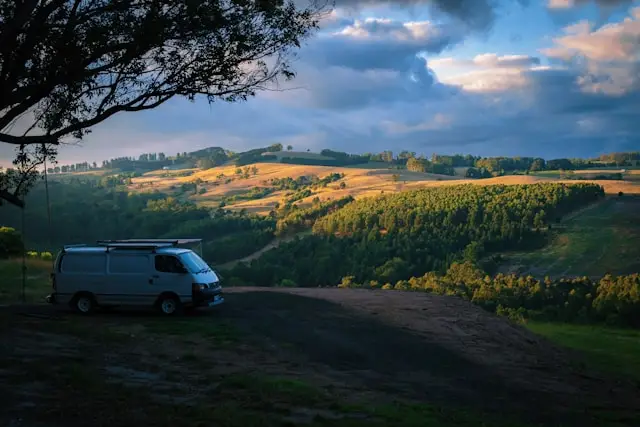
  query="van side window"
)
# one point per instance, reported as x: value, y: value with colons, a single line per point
x: 168, y: 264
x: 128, y: 264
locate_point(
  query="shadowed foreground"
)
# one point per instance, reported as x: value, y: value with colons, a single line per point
x: 315, y: 356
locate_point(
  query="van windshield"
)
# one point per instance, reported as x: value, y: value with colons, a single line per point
x: 195, y: 264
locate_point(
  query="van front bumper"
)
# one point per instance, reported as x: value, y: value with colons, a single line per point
x: 218, y: 299
x: 208, y: 298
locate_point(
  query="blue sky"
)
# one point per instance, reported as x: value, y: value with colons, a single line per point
x: 550, y: 78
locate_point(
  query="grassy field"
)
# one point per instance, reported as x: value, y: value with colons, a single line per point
x: 610, y: 350
x: 223, y: 181
x: 287, y: 357
x: 603, y: 238
x: 361, y: 181
x: 628, y: 173
x: 37, y: 284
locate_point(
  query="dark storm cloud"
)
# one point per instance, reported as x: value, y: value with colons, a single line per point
x: 476, y: 14
x: 380, y: 44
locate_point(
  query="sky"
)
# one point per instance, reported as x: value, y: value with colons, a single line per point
x: 548, y: 78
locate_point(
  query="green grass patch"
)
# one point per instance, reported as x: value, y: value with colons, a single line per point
x: 605, y: 238
x: 417, y: 415
x: 609, y: 350
x: 261, y: 389
x: 37, y: 283
x: 221, y: 332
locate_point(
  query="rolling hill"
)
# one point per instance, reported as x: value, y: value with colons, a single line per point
x: 360, y: 181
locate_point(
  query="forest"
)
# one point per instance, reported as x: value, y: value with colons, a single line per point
x: 392, y: 237
x: 84, y: 211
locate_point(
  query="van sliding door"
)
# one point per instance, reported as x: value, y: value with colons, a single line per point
x: 128, y: 282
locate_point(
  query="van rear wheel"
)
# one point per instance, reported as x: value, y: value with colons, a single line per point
x: 84, y: 303
x: 169, y: 305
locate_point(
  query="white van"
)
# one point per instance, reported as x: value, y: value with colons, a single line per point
x: 155, y: 273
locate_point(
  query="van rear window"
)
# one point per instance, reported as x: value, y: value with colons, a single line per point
x: 83, y: 263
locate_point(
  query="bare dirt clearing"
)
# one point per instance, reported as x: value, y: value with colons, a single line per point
x: 274, y: 356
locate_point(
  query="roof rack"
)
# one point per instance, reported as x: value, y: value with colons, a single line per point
x: 152, y: 244
x: 162, y: 242
x: 78, y: 245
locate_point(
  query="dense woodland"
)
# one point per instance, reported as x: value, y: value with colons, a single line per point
x: 393, y: 237
x: 86, y: 211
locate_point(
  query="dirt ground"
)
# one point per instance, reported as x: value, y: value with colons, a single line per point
x: 353, y: 345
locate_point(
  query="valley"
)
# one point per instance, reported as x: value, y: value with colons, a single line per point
x: 357, y: 294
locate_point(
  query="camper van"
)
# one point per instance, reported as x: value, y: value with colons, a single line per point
x: 137, y: 273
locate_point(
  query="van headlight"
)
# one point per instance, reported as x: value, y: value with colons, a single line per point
x: 198, y: 287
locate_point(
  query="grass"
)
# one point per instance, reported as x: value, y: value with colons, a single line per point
x: 204, y: 326
x: 360, y: 182
x: 609, y: 350
x: 37, y: 284
x: 604, y: 238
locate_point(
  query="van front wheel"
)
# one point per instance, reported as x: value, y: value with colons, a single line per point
x: 169, y: 305
x: 84, y: 303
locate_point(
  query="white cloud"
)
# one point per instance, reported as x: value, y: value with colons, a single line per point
x: 487, y: 60
x: 609, y: 56
x: 568, y: 4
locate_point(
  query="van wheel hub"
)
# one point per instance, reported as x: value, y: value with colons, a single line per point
x: 84, y: 304
x: 168, y: 306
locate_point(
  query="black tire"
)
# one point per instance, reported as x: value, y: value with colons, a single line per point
x: 84, y: 303
x: 169, y: 305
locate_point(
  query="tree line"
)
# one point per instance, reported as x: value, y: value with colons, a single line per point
x: 477, y: 166
x: 86, y: 210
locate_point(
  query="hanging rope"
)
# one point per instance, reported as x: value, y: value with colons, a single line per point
x: 24, y: 261
x: 46, y: 190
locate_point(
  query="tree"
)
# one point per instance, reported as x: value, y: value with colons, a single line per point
x: 70, y: 65
x: 289, y: 147
x: 15, y: 182
x: 205, y: 163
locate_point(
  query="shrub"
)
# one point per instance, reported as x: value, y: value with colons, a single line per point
x: 46, y: 256
x: 10, y: 242
x: 287, y: 283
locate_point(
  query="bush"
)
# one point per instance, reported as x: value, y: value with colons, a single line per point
x: 287, y: 283
x: 620, y: 194
x: 10, y: 243
x: 46, y: 256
